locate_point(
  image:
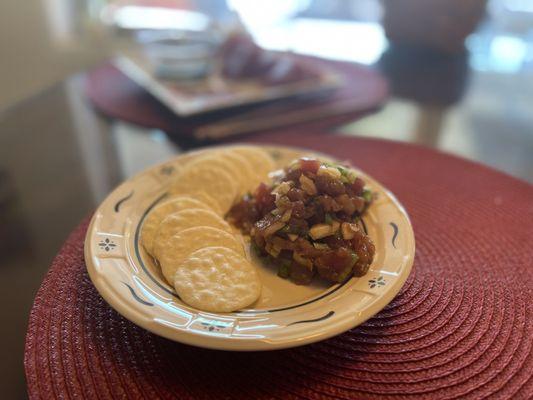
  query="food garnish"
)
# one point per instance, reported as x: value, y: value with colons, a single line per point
x: 308, y: 221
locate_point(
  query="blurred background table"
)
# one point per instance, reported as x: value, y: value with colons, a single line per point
x: 59, y: 159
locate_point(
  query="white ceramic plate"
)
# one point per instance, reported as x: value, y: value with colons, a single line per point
x: 286, y: 315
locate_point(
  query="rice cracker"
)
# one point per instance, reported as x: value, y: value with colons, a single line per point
x: 187, y: 241
x: 205, y: 177
x: 250, y: 179
x: 177, y: 222
x: 160, y: 212
x: 217, y: 279
x: 261, y: 162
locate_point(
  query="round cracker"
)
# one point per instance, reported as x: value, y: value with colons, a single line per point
x: 217, y: 160
x: 217, y: 279
x: 250, y: 179
x: 259, y: 159
x: 187, y: 241
x: 160, y: 212
x: 205, y: 177
x: 177, y: 222
x: 206, y: 199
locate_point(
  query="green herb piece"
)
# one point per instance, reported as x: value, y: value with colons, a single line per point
x: 347, y: 175
x: 257, y: 250
x: 283, y: 270
x: 352, y: 176
x: 367, y: 195
x: 285, y: 229
x: 354, y: 258
x: 294, y: 165
x: 328, y: 219
x: 275, y: 211
x: 344, y: 175
x: 344, y: 274
x: 254, y: 247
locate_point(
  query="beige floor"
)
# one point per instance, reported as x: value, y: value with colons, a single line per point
x: 41, y: 42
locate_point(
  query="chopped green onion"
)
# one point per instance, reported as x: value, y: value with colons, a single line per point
x: 344, y: 175
x: 354, y: 259
x: 328, y: 219
x: 294, y: 165
x: 342, y: 277
x: 347, y: 175
x: 367, y: 195
x: 255, y: 248
x: 283, y: 270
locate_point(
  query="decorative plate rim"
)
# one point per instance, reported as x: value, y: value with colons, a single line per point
x: 327, y: 324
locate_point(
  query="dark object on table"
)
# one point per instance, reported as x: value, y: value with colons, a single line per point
x: 196, y: 77
x: 117, y: 96
x: 425, y: 75
x: 241, y: 58
x: 439, y: 24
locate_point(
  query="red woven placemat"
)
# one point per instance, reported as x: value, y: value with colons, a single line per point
x: 462, y: 326
x: 117, y: 96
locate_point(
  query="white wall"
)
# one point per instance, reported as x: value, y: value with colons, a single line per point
x: 42, y: 41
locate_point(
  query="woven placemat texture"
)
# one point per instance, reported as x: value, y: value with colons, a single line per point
x: 461, y: 327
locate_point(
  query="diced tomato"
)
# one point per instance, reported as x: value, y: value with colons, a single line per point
x: 295, y: 194
x: 264, y: 199
x: 365, y: 253
x: 327, y: 185
x: 279, y: 224
x: 336, y: 241
x: 336, y: 265
x: 301, y: 274
x: 243, y: 214
x: 357, y: 186
x: 298, y: 209
x: 309, y: 165
x: 293, y: 175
